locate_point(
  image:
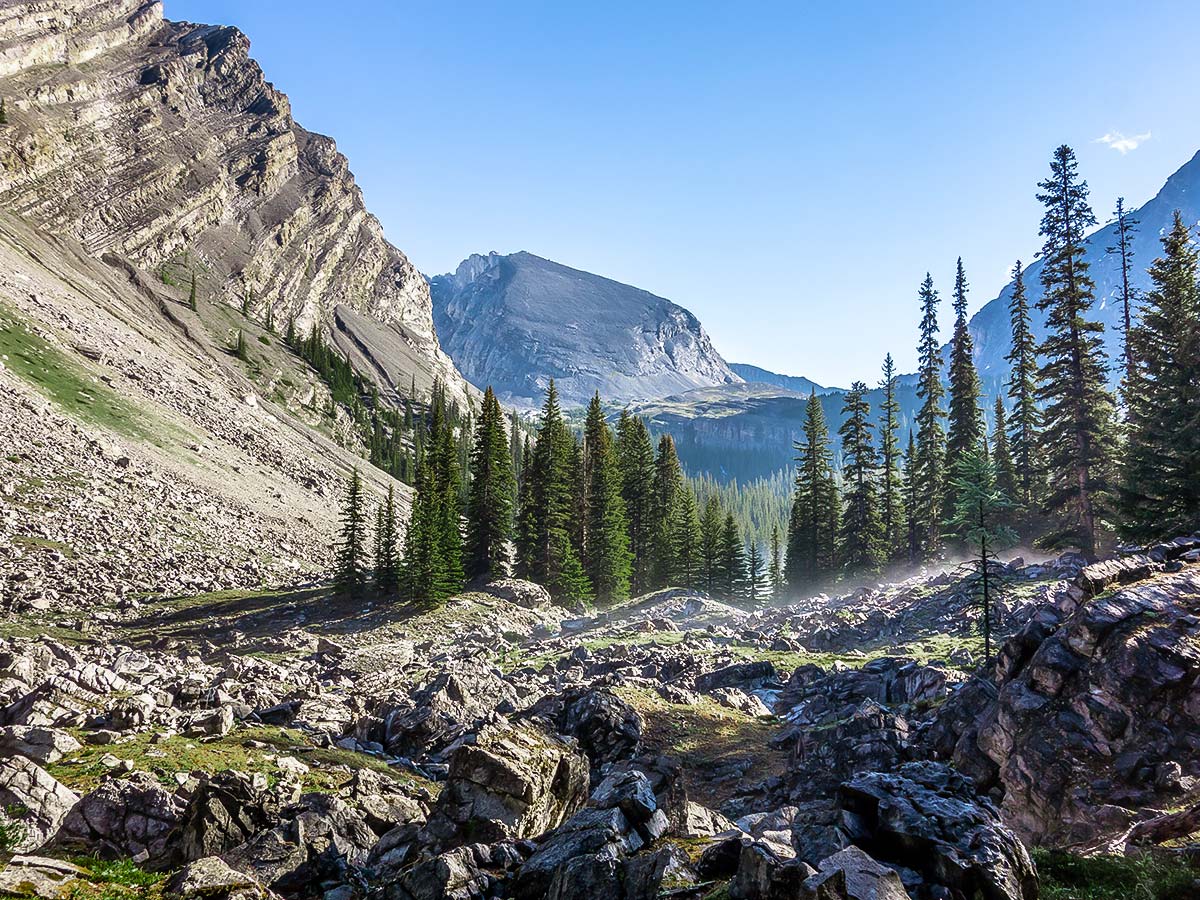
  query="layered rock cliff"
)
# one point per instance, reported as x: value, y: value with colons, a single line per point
x: 517, y: 321
x: 163, y: 142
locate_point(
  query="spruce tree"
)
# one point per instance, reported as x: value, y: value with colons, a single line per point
x: 516, y: 447
x: 3, y: 112
x: 965, y: 420
x: 448, y: 489
x: 491, y: 495
x: 1160, y: 474
x: 636, y: 457
x: 192, y: 300
x: 1025, y: 422
x: 928, y: 473
x: 239, y: 347
x: 422, y: 572
x: 686, y: 541
x: 290, y: 335
x: 891, y: 505
x: 862, y: 537
x: 668, y: 485
x: 732, y: 571
x: 775, y: 566
x: 555, y: 560
x: 607, y: 560
x: 978, y: 522
x: 814, y: 523
x: 710, y: 543
x: 1006, y: 473
x: 1126, y: 228
x: 756, y: 576
x: 1076, y: 440
x: 387, y: 562
x: 348, y: 579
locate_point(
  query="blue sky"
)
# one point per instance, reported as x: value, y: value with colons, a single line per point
x: 786, y: 171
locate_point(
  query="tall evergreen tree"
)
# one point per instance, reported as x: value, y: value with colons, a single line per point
x: 607, y: 559
x: 423, y: 571
x: 555, y: 560
x: 1160, y: 489
x: 891, y: 505
x: 348, y: 578
x: 1025, y: 423
x: 927, y: 473
x: 686, y: 541
x: 1126, y: 228
x: 756, y: 576
x: 516, y: 447
x: 636, y: 458
x: 387, y: 560
x: 1006, y: 473
x: 192, y: 299
x: 732, y: 571
x: 978, y: 521
x: 775, y: 565
x: 711, y: 523
x: 668, y: 485
x: 447, y: 486
x: 491, y: 496
x: 862, y: 538
x: 912, y: 504
x: 814, y: 523
x: 1076, y: 440
x: 965, y: 419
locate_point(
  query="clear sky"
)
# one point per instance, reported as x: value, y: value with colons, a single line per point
x: 786, y: 171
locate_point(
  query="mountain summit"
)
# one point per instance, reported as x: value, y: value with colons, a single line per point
x: 517, y: 321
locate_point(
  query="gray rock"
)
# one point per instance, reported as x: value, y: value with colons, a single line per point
x: 33, y: 800
x: 130, y: 818
x: 42, y: 745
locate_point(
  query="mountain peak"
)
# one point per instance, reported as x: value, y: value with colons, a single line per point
x: 515, y: 321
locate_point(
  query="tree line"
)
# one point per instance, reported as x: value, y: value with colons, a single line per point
x: 1068, y: 462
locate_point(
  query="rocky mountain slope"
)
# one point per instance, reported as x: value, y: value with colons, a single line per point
x: 517, y: 321
x: 291, y: 743
x: 796, y: 383
x: 163, y: 143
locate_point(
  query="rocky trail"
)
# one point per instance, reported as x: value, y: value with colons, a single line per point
x: 256, y: 742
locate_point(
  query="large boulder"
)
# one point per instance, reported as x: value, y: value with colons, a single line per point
x: 607, y: 728
x: 228, y: 809
x: 510, y: 782
x: 32, y: 800
x: 446, y: 709
x: 927, y: 820
x: 130, y: 818
x: 42, y: 745
x: 851, y: 874
x: 1089, y: 715
x: 211, y: 878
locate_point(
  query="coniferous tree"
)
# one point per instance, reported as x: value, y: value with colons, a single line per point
x: 1076, y: 440
x: 349, y: 556
x: 491, y: 496
x: 636, y: 457
x: 290, y: 335
x: 192, y: 299
x: 965, y: 420
x: 732, y: 571
x: 247, y: 301
x: 555, y: 559
x: 607, y: 560
x: 448, y: 488
x: 1126, y: 228
x: 526, y: 529
x: 686, y: 541
x: 775, y: 566
x: 516, y: 447
x: 1006, y: 473
x: 387, y: 560
x: 814, y: 523
x: 891, y: 506
x: 1025, y: 422
x: 978, y: 521
x: 756, y: 576
x: 3, y: 112
x: 239, y: 347
x: 862, y: 537
x: 668, y: 485
x: 422, y: 572
x: 711, y: 523
x: 927, y: 472
x: 1160, y: 475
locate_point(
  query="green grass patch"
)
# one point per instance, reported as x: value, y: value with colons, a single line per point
x: 1065, y: 876
x: 83, y: 770
x: 27, y: 542
x: 114, y: 880
x: 77, y: 392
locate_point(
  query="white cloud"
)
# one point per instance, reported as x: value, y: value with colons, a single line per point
x: 1121, y: 143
